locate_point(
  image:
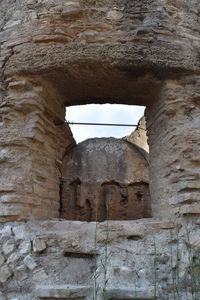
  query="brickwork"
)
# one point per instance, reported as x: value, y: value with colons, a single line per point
x: 173, y: 125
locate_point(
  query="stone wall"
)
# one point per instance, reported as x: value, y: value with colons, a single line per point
x: 33, y: 138
x: 56, y: 260
x: 173, y: 125
x: 59, y: 53
x: 82, y: 52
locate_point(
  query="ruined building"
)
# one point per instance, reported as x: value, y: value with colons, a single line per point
x: 58, y: 53
x: 101, y: 172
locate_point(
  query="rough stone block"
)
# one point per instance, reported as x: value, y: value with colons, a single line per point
x: 4, y: 273
x: 8, y: 246
x: 39, y: 275
x: 62, y: 291
x: 19, y: 232
x: 25, y: 247
x: 13, y: 258
x: 39, y: 245
x: 2, y: 259
x: 6, y: 231
x: 30, y: 262
x: 21, y: 273
x: 125, y: 293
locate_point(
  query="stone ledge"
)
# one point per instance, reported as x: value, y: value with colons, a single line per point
x: 127, y: 293
x: 62, y: 291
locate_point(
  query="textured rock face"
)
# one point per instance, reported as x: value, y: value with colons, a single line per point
x: 139, y: 135
x: 58, y: 53
x: 173, y: 125
x: 55, y: 53
x: 105, y: 172
x: 114, y: 48
x: 65, y: 267
x: 33, y: 138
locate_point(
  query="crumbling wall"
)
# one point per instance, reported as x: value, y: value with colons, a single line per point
x: 56, y: 260
x: 139, y: 135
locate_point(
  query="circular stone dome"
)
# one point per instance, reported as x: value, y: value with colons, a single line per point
x: 105, y: 171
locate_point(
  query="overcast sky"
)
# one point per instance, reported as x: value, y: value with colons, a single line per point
x: 103, y: 113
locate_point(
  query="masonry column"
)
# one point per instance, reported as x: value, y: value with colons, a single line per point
x: 33, y: 138
x: 173, y: 124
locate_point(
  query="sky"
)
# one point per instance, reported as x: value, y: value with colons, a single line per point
x: 103, y: 113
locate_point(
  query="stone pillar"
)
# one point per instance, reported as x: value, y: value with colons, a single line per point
x: 173, y: 124
x: 32, y: 140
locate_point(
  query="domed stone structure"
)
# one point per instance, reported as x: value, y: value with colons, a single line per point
x: 107, y: 176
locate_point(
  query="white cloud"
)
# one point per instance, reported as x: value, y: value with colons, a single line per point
x: 105, y: 113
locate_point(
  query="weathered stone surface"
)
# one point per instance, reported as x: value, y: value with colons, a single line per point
x: 63, y: 291
x: 2, y: 259
x: 139, y: 135
x: 101, y: 172
x: 25, y: 247
x: 39, y: 275
x: 125, y: 293
x: 6, y: 231
x: 13, y: 258
x: 30, y: 262
x: 66, y: 269
x: 4, y: 274
x: 174, y: 121
x: 8, y: 246
x: 19, y: 232
x: 26, y: 194
x: 38, y: 245
x: 56, y: 53
x: 20, y: 273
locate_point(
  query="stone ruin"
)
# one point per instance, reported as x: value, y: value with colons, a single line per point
x: 139, y: 135
x: 107, y: 171
x: 58, y: 53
